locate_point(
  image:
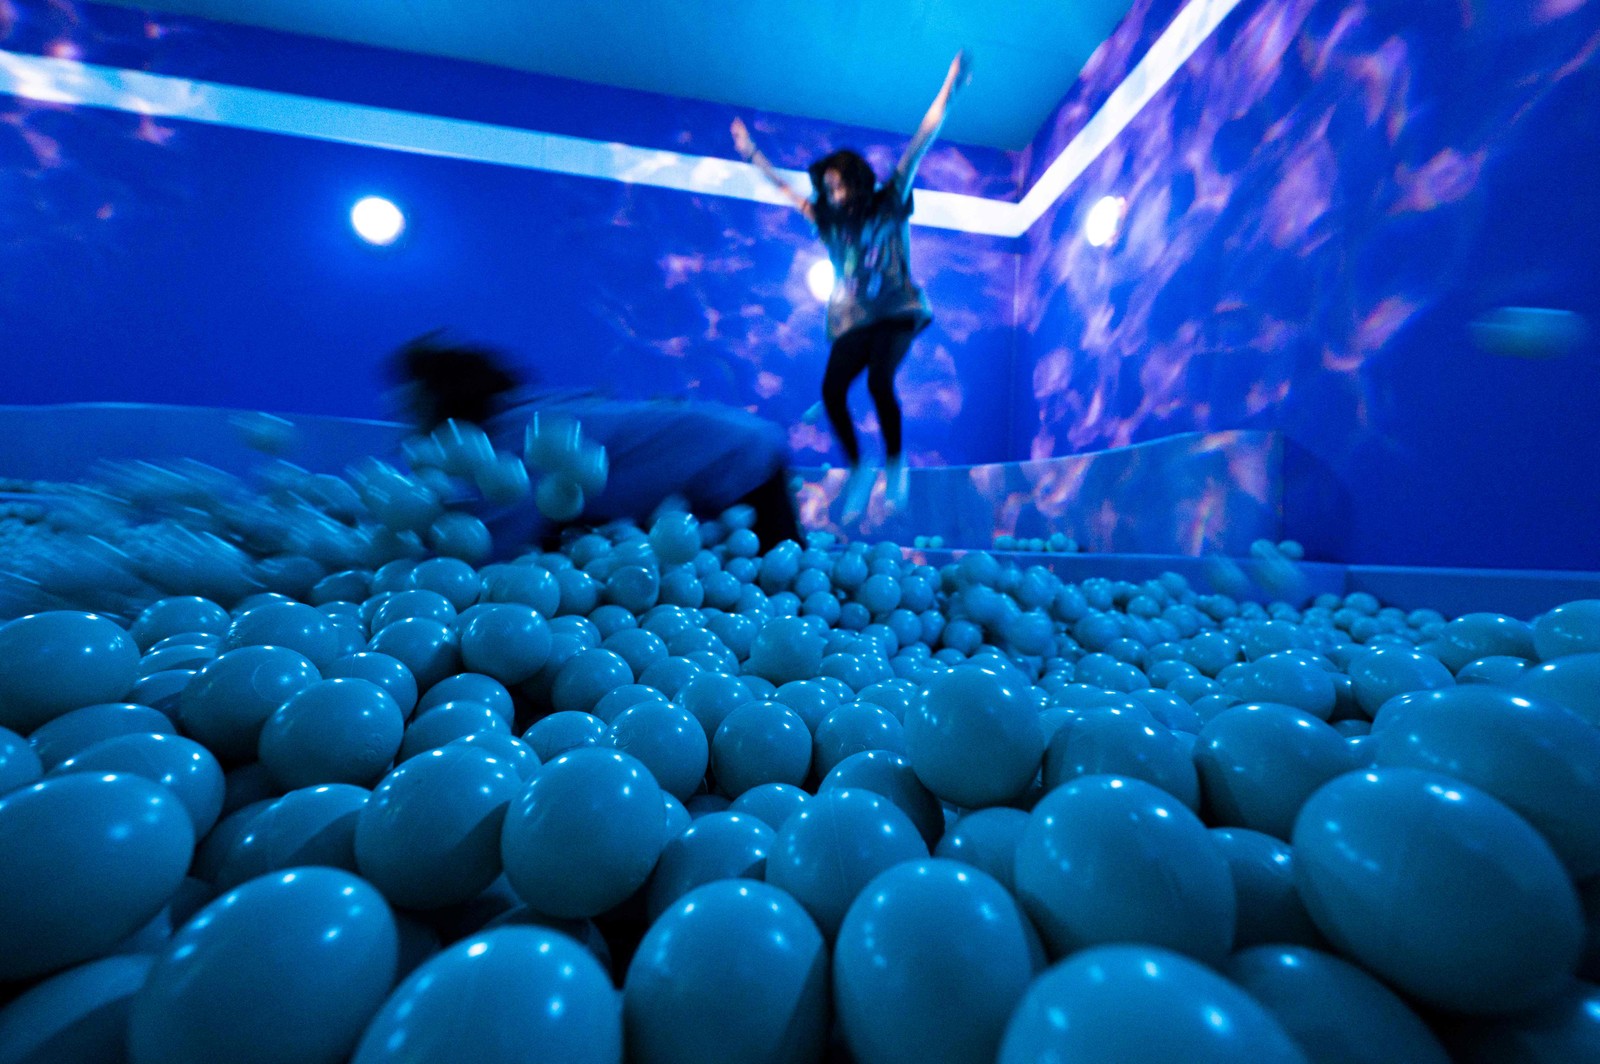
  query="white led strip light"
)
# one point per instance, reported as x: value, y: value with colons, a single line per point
x: 1189, y: 29
x: 66, y: 81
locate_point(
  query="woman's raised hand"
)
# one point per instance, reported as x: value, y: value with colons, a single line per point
x: 741, y: 138
x: 960, y: 70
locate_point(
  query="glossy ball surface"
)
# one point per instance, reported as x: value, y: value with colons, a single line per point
x: 52, y: 663
x: 292, y: 625
x: 771, y: 803
x: 505, y: 641
x: 1333, y: 1009
x: 891, y: 776
x: 19, y: 765
x: 79, y: 1015
x: 915, y: 930
x: 225, y: 706
x: 1287, y: 678
x: 315, y: 944
x: 973, y: 738
x: 717, y: 845
x: 494, y: 996
x: 1107, y: 741
x: 828, y: 851
x: 987, y: 840
x: 334, y: 731
x: 182, y: 766
x: 388, y: 673
x: 1259, y: 763
x: 584, y: 834
x: 430, y: 649
x: 1380, y: 673
x: 1111, y: 859
x: 759, y: 743
x: 1268, y: 904
x: 445, y: 723
x: 470, y: 687
x: 1573, y: 628
x: 1572, y: 681
x: 1531, y: 754
x: 1142, y: 1005
x: 586, y: 678
x: 667, y: 740
x: 852, y: 729
x: 175, y: 615
x: 430, y: 834
x: 310, y: 826
x: 1381, y: 859
x: 86, y: 859
x: 734, y: 972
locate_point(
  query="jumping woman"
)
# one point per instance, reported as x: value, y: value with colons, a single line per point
x: 876, y: 309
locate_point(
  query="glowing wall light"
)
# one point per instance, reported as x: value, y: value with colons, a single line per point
x: 820, y: 279
x: 377, y: 221
x: 1105, y: 221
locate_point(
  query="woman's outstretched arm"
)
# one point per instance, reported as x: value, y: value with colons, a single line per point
x: 748, y: 149
x: 960, y: 73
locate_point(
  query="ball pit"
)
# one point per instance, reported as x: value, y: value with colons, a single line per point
x: 293, y: 625
x: 771, y: 803
x: 987, y: 840
x: 1532, y: 754
x: 1105, y: 740
x: 973, y: 738
x: 756, y: 790
x: 667, y: 740
x: 1259, y: 764
x: 760, y: 743
x: 446, y: 723
x: 1267, y: 903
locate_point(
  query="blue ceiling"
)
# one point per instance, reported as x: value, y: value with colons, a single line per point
x: 873, y: 63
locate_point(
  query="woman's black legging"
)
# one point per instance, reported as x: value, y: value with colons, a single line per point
x: 879, y: 349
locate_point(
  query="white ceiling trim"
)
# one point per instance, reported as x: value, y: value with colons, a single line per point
x: 64, y: 81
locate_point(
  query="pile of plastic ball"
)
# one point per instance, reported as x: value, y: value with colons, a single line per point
x: 138, y: 530
x: 317, y: 785
x: 1055, y: 543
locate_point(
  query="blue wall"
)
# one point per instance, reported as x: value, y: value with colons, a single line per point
x: 1320, y: 203
x: 165, y: 261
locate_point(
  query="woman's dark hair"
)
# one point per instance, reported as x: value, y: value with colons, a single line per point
x: 451, y: 380
x: 858, y: 178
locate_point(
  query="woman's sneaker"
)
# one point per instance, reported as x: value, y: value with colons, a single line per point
x: 896, y: 485
x: 857, y: 492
